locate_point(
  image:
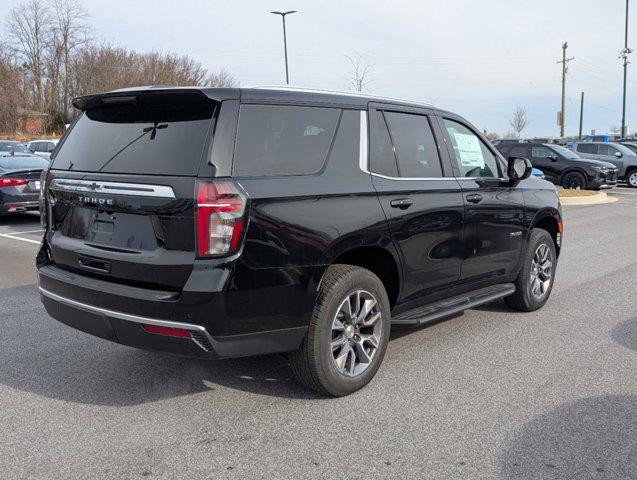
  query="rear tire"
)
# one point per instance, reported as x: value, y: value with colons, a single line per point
x: 535, y: 280
x: 338, y: 356
x: 631, y: 178
x: 574, y: 180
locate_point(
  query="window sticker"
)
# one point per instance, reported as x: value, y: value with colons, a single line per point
x: 469, y: 150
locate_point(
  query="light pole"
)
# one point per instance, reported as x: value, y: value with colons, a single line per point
x: 624, y: 56
x: 285, y: 43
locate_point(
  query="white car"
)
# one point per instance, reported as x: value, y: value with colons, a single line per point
x: 43, y: 148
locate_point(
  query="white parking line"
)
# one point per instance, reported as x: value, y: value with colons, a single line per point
x: 26, y: 231
x: 6, y: 235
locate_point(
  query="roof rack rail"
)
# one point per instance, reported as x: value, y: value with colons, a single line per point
x: 337, y: 92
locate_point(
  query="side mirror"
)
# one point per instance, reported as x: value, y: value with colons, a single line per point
x: 553, y: 158
x: 518, y: 169
x: 619, y: 154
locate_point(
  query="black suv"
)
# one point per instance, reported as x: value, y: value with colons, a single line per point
x: 230, y: 222
x: 563, y: 166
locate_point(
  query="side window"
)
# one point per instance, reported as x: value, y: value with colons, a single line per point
x: 541, y: 152
x: 282, y: 140
x: 414, y: 144
x: 587, y: 148
x: 605, y: 150
x: 473, y: 157
x: 381, y: 152
x: 519, y: 151
x: 50, y: 147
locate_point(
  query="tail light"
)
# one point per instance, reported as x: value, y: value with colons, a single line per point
x: 12, y: 182
x: 42, y: 199
x: 220, y: 212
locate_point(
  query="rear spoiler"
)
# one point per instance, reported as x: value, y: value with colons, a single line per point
x: 146, y: 95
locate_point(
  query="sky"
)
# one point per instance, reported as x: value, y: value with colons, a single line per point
x: 481, y: 59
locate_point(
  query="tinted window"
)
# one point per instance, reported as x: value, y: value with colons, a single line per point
x: 280, y: 140
x: 473, y: 157
x: 541, y: 152
x: 414, y: 145
x: 519, y: 151
x: 587, y: 148
x: 157, y: 138
x: 381, y: 154
x: 606, y: 150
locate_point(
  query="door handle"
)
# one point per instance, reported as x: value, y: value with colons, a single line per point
x: 402, y: 203
x: 474, y: 198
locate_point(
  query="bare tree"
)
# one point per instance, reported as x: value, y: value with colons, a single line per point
x: 29, y: 29
x: 11, y: 86
x: 221, y: 79
x: 70, y: 32
x: 361, y: 71
x: 519, y: 121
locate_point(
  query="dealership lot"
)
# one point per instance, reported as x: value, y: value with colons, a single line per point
x: 488, y: 394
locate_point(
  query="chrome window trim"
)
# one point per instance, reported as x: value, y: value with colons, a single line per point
x: 363, y: 157
x: 131, y: 318
x: 113, y: 188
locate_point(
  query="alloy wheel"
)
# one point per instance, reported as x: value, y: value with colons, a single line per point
x: 541, y: 272
x: 356, y: 333
x: 573, y: 182
x: 632, y: 179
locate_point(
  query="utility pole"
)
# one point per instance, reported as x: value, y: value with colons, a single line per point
x: 564, y: 63
x: 624, y: 56
x: 285, y: 43
x: 581, y: 115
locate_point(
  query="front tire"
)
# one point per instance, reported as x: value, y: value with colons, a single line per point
x: 574, y: 180
x: 348, y: 333
x: 631, y: 178
x: 535, y: 280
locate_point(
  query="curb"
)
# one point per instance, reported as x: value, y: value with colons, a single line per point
x: 597, y: 199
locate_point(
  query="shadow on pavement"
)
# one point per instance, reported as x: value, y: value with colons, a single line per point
x: 625, y: 334
x: 17, y: 219
x: 594, y: 438
x: 44, y: 357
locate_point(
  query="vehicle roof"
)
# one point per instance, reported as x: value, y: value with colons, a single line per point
x: 266, y: 94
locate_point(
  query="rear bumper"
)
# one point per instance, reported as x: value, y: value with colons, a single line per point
x: 119, y: 313
x: 17, y: 207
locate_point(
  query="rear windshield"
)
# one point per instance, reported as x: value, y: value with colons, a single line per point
x: 154, y: 138
x: 13, y: 147
x: 22, y: 161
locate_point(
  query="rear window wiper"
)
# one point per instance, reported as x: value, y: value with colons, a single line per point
x: 154, y: 129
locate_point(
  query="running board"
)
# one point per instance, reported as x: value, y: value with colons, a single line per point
x: 453, y: 305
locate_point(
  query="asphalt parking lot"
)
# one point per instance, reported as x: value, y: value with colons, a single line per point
x: 488, y: 394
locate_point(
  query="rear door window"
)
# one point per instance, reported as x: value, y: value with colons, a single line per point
x: 587, y: 148
x: 519, y: 151
x: 415, y: 145
x: 283, y: 140
x: 143, y: 138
